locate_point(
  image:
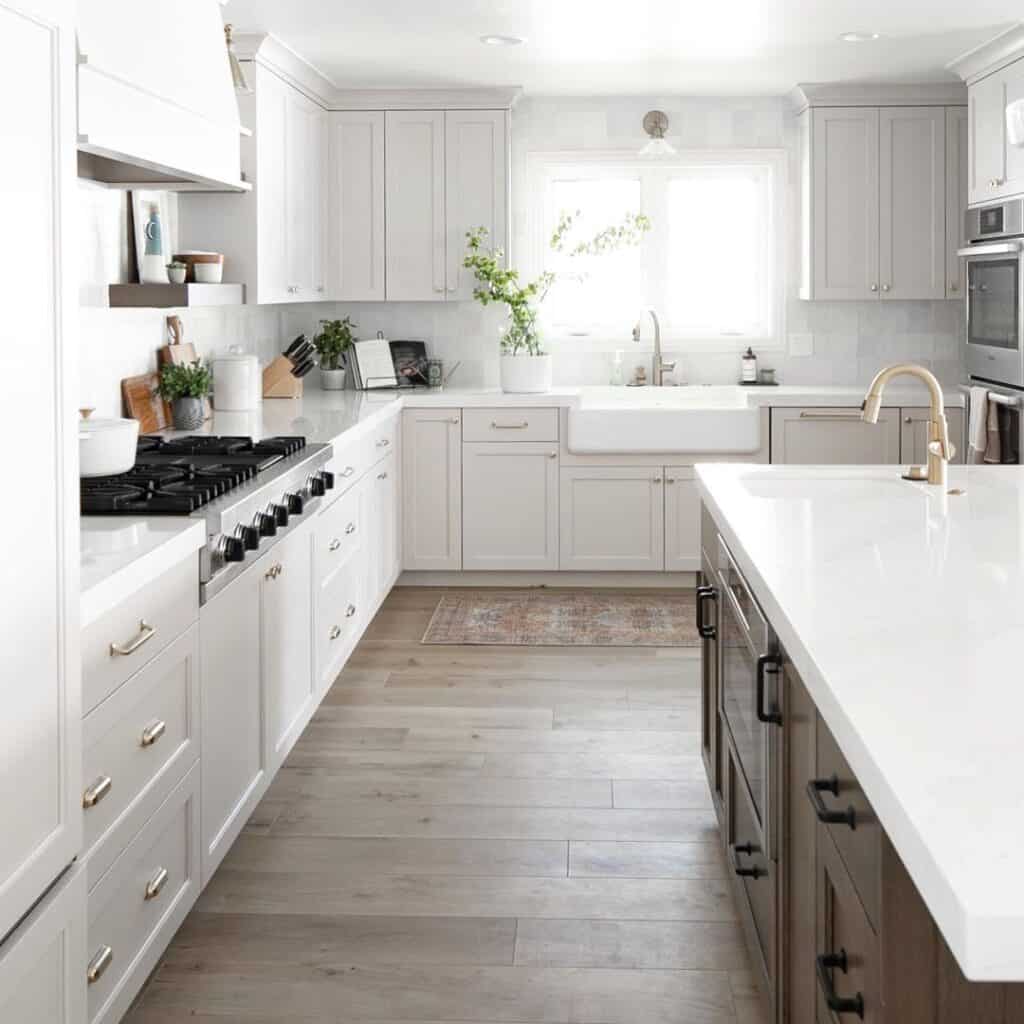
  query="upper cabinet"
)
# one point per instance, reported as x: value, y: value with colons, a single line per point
x: 996, y: 168
x: 876, y: 202
x: 957, y: 149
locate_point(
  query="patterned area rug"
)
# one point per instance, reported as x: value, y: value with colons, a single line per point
x: 544, y: 618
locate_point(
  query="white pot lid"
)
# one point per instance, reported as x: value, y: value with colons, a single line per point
x: 235, y: 355
x: 87, y: 424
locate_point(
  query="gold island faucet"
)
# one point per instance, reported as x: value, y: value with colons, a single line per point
x: 940, y: 451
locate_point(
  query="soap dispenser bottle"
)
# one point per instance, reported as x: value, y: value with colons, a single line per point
x: 749, y: 371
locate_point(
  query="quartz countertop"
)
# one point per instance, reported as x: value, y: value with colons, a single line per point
x: 901, y: 605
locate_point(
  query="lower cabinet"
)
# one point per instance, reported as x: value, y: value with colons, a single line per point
x: 914, y: 434
x: 682, y: 520
x: 510, y: 505
x: 42, y: 962
x: 826, y: 436
x: 381, y: 498
x: 612, y: 518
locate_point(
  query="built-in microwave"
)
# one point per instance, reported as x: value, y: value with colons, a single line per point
x: 994, y: 340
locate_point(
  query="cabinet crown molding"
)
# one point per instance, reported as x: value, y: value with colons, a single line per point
x: 876, y: 94
x: 990, y: 56
x: 268, y: 51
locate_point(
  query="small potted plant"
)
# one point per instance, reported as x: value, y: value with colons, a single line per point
x: 331, y: 342
x: 185, y: 386
x: 176, y: 272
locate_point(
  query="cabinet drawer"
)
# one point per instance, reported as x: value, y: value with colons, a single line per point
x: 855, y: 830
x: 337, y: 532
x: 755, y: 875
x: 119, y: 643
x: 351, y: 459
x: 509, y: 424
x: 140, y: 902
x: 339, y: 616
x: 384, y: 439
x: 847, y: 948
x: 137, y: 745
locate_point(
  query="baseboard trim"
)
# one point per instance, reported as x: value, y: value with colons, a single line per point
x: 607, y: 580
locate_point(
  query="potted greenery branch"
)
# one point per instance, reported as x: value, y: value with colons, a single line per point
x: 185, y: 386
x: 525, y: 368
x: 332, y: 341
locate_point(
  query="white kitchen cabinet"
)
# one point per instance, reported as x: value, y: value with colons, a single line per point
x: 476, y: 177
x: 682, y: 520
x: 274, y: 237
x: 432, y: 489
x: 996, y: 169
x: 844, y: 202
x: 40, y: 728
x: 912, y: 205
x: 415, y: 205
x: 611, y: 518
x: 42, y: 963
x: 356, y: 218
x: 957, y: 148
x: 381, y: 495
x: 834, y: 436
x: 286, y: 616
x: 510, y: 505
x: 235, y: 767
x: 914, y: 434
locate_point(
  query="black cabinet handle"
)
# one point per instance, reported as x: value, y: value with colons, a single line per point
x: 839, y: 1004
x: 708, y: 632
x: 768, y: 717
x: 830, y: 785
x: 746, y: 850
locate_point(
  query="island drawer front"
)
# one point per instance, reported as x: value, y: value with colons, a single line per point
x: 509, y: 424
x: 756, y: 885
x: 141, y: 901
x: 129, y: 636
x: 861, y: 846
x: 143, y: 739
x: 337, y: 533
x: 843, y: 928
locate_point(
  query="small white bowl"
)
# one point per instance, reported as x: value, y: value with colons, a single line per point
x: 208, y: 273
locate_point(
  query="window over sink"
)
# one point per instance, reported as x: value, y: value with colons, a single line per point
x: 712, y: 265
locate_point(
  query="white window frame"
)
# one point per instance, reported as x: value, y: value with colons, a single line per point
x: 540, y: 166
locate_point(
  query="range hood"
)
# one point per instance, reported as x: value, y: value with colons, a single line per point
x: 156, y: 103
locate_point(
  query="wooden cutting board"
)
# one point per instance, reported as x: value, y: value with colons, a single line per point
x: 142, y: 403
x: 177, y: 350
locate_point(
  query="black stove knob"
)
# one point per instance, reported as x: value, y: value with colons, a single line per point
x: 234, y: 549
x: 328, y: 478
x: 295, y: 504
x: 280, y: 514
x: 250, y: 537
x: 265, y: 523
x: 317, y: 487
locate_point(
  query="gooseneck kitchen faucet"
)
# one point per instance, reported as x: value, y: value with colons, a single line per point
x: 658, y: 366
x: 940, y: 451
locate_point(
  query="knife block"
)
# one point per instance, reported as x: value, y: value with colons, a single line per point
x: 278, y: 381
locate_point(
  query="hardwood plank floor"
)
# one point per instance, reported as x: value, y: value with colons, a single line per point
x: 481, y: 835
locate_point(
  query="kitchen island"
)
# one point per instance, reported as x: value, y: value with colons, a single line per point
x: 865, y: 779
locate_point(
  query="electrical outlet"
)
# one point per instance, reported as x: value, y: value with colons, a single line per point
x: 801, y: 344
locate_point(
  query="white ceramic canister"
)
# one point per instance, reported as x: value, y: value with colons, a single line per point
x: 236, y: 381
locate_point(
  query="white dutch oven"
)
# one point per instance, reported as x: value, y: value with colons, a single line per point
x: 106, y: 447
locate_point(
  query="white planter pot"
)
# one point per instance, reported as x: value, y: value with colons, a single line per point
x: 525, y: 375
x: 332, y: 380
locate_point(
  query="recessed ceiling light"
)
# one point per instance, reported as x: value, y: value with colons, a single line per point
x: 858, y: 37
x: 500, y: 40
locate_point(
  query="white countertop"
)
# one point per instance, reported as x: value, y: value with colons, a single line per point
x: 120, y: 554
x: 902, y: 608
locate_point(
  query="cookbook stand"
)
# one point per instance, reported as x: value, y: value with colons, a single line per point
x: 278, y: 380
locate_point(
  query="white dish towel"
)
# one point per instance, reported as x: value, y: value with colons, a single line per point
x: 983, y: 429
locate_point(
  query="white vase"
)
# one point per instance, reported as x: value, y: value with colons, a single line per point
x: 525, y: 375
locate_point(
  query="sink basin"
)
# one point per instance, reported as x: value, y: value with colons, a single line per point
x: 656, y: 421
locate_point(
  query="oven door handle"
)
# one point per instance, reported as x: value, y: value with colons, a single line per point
x: 991, y: 249
x: 768, y: 717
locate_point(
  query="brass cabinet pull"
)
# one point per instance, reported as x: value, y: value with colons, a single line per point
x: 552, y: 455
x: 97, y: 791
x: 351, y: 528
x: 383, y: 443
x: 454, y: 421
x: 153, y: 732
x: 830, y: 415
x: 334, y: 545
x: 656, y: 480
x: 155, y: 884
x: 273, y: 572
x: 509, y: 426
x: 670, y: 479
x: 348, y: 470
x: 335, y: 632
x: 350, y: 611
x: 382, y: 476
x: 145, y: 634
x: 98, y: 964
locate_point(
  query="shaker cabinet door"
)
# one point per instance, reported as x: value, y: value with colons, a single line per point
x: 682, y: 520
x: 834, y: 437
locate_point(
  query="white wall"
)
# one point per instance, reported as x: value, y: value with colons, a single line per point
x: 850, y: 340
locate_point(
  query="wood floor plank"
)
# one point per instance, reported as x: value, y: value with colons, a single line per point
x: 399, y: 717
x: 342, y: 785
x: 566, y: 697
x: 327, y: 816
x: 590, y: 766
x: 541, y: 741
x: 411, y: 762
x: 646, y: 860
x: 376, y: 857
x: 680, y: 945
x: 684, y: 717
x: 652, y: 794
x: 328, y: 892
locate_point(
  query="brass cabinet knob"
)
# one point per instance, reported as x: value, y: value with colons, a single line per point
x: 335, y: 632
x: 334, y: 545
x: 350, y: 611
x: 97, y: 791
x: 155, y: 884
x: 152, y: 733
x: 98, y: 964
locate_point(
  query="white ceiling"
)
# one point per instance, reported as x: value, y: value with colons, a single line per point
x: 626, y: 47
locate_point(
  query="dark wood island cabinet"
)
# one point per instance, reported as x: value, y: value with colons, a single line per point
x: 834, y: 924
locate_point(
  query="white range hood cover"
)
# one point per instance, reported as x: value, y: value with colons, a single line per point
x: 156, y: 104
